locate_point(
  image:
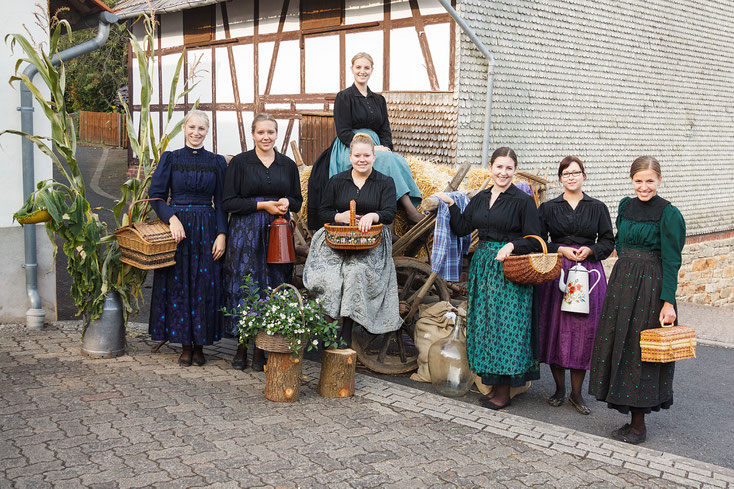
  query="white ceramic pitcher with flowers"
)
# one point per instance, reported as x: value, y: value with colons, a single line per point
x: 576, y: 289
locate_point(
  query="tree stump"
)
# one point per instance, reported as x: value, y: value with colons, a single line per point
x: 337, y: 373
x: 283, y: 377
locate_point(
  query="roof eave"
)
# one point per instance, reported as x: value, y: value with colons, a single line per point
x: 122, y: 14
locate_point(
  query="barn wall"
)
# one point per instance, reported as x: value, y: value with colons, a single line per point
x: 609, y: 81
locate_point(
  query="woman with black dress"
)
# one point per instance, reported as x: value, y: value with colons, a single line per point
x: 359, y: 109
x: 260, y: 185
x: 501, y: 339
x: 640, y: 295
x: 360, y: 285
x: 187, y: 296
x: 581, y: 231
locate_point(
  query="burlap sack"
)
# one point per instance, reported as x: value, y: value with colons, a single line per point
x: 431, y: 326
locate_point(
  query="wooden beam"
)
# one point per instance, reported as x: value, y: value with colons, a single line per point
x: 233, y: 76
x: 342, y: 61
x: 452, y: 51
x: 214, y: 98
x: 256, y: 54
x: 160, y: 76
x: 420, y: 30
x: 387, y: 27
x: 276, y: 46
x: 289, y: 129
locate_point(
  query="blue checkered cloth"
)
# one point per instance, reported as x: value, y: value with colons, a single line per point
x: 448, y: 249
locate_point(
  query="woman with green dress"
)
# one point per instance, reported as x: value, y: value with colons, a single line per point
x: 501, y: 328
x: 640, y: 295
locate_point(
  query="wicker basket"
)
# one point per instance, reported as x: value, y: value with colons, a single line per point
x: 277, y: 343
x: 534, y: 268
x: 350, y: 237
x: 146, y: 245
x: 668, y: 344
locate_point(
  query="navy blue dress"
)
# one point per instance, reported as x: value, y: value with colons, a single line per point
x: 188, y: 295
x: 247, y: 182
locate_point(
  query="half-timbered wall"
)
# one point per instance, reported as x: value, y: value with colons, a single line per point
x: 286, y: 56
x: 609, y: 81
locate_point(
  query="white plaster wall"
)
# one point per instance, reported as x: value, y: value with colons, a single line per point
x: 17, y: 17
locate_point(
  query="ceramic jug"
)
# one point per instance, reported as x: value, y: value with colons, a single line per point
x: 448, y: 363
x: 281, y: 248
x: 576, y: 289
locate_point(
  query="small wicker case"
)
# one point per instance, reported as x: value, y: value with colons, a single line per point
x: 533, y: 268
x: 668, y: 344
x: 350, y: 237
x: 146, y: 245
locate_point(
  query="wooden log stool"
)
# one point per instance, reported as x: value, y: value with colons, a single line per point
x: 338, y: 367
x: 283, y: 376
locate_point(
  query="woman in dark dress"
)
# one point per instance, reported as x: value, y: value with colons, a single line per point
x: 581, y: 231
x: 187, y: 296
x: 260, y: 185
x: 501, y: 339
x: 359, y: 109
x: 640, y: 295
x: 359, y: 285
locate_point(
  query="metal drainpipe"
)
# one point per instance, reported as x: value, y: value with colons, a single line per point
x: 35, y: 315
x: 490, y: 76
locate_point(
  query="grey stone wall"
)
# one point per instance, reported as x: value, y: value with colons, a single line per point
x: 609, y: 81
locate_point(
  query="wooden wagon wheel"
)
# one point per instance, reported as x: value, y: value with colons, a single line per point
x: 395, y: 353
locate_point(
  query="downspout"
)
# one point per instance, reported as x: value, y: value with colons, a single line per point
x: 490, y: 76
x: 35, y: 315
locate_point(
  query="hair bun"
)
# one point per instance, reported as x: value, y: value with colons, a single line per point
x: 363, y: 135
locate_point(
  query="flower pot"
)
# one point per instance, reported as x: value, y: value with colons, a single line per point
x: 105, y: 336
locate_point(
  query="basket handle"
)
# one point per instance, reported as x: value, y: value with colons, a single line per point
x: 147, y: 201
x: 664, y: 325
x: 298, y: 296
x: 542, y: 243
x: 352, y: 212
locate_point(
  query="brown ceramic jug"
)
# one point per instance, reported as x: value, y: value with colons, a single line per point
x: 280, y: 241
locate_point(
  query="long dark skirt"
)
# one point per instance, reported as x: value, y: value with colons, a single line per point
x: 567, y: 338
x: 246, y: 254
x: 501, y: 333
x: 632, y: 304
x: 187, y: 296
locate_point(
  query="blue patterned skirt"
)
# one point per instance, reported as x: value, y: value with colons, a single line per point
x: 247, y: 251
x: 187, y: 296
x: 501, y: 334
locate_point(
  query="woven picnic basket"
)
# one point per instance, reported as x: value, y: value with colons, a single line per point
x: 668, y: 343
x: 533, y: 268
x: 147, y: 244
x: 341, y: 237
x: 278, y: 343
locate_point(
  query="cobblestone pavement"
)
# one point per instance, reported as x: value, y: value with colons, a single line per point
x: 141, y: 420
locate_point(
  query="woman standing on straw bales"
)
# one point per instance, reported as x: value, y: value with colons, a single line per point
x: 187, y: 296
x: 640, y: 295
x: 501, y: 326
x: 359, y: 109
x: 581, y: 231
x: 260, y: 185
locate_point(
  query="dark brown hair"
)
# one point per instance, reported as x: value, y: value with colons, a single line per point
x: 566, y: 162
x: 503, y: 151
x: 645, y: 163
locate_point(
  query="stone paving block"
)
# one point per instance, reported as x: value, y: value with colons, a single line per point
x: 692, y: 468
x: 681, y: 480
x: 706, y: 480
x: 642, y: 468
x: 436, y: 414
x: 469, y: 423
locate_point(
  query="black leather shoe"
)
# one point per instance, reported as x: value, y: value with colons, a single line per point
x: 258, y: 367
x: 239, y: 362
x: 198, y: 357
x: 185, y: 359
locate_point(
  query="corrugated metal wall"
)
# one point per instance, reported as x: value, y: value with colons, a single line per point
x: 609, y: 81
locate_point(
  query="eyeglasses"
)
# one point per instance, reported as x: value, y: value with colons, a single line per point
x: 574, y: 174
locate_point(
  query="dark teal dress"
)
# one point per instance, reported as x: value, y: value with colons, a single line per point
x: 501, y: 329
x: 650, y: 238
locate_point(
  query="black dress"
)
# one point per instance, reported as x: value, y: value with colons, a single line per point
x: 247, y: 182
x: 376, y: 195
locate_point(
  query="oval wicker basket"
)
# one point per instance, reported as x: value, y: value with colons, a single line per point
x: 350, y: 237
x: 533, y: 268
x: 278, y: 343
x: 146, y: 245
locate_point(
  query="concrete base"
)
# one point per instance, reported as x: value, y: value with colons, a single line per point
x: 13, y: 297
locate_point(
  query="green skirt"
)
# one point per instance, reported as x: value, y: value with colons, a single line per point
x: 500, y: 339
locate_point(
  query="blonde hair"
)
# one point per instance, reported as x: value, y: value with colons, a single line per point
x: 264, y: 116
x: 196, y: 113
x: 361, y: 138
x: 645, y: 163
x: 365, y: 56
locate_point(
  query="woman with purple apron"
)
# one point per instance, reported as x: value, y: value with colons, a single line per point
x: 260, y: 185
x: 581, y: 231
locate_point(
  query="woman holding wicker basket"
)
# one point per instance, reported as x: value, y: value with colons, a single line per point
x: 356, y: 285
x: 187, y: 296
x: 260, y: 185
x: 581, y: 231
x: 640, y: 295
x: 501, y: 329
